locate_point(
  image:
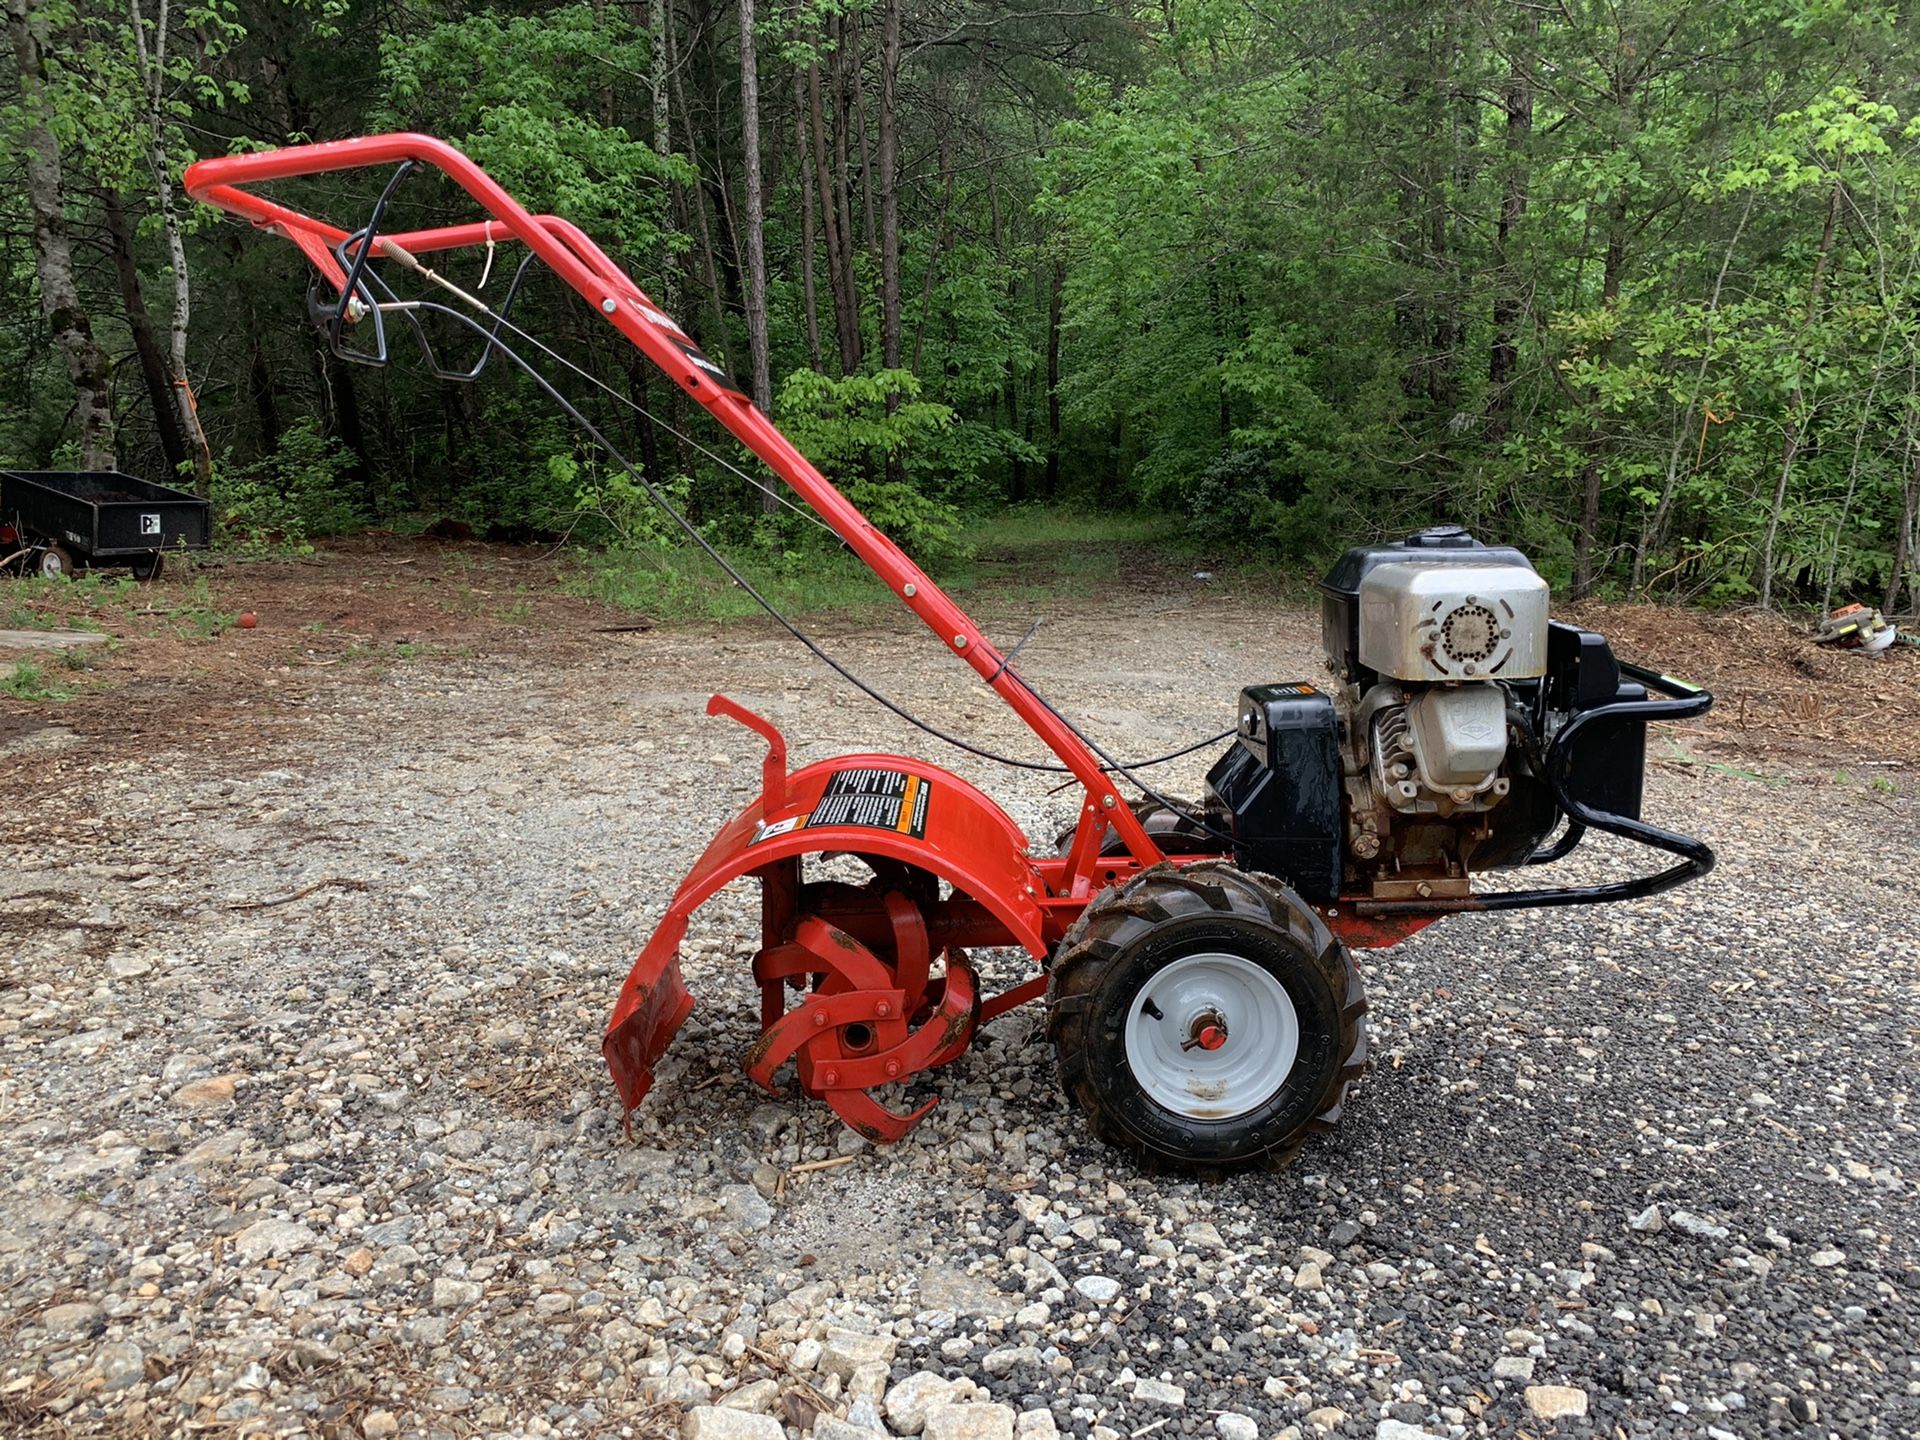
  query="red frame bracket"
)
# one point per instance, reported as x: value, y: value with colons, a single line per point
x: 773, y: 770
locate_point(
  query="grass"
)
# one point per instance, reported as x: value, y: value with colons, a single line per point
x: 197, y: 615
x: 1027, y: 553
x: 683, y: 584
x: 20, y: 616
x: 65, y: 604
x: 1678, y: 754
x: 28, y: 680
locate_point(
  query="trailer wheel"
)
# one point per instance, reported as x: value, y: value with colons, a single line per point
x: 148, y: 566
x: 55, y: 563
x: 1205, y: 1019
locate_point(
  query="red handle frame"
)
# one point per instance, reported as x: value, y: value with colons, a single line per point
x: 624, y: 305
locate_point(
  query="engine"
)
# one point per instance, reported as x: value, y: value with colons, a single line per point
x: 1422, y: 761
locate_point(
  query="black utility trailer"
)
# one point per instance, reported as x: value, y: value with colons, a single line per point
x: 54, y: 522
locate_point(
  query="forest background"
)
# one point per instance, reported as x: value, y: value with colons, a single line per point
x: 1629, y: 283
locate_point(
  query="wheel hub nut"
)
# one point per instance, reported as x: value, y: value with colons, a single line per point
x: 1208, y: 1032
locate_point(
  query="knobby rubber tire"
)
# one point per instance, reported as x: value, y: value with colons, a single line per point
x: 1126, y: 936
x: 1175, y: 831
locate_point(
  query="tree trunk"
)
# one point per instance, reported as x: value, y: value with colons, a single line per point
x: 1651, y: 533
x: 659, y: 22
x: 843, y: 190
x: 753, y: 223
x: 1593, y: 472
x: 846, y: 314
x: 87, y: 365
x: 716, y: 336
x: 1503, y: 360
x: 809, y: 292
x: 1796, y: 401
x: 1443, y: 389
x: 343, y: 419
x: 1010, y: 379
x: 152, y: 62
x: 890, y: 186
x: 941, y: 240
x: 603, y: 95
x: 1217, y: 322
x: 1906, y: 542
x: 1874, y: 380
x: 146, y: 343
x: 857, y: 89
x: 733, y: 295
x: 1056, y: 291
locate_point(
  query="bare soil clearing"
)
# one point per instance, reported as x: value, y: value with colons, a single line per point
x: 311, y: 933
x: 324, y: 623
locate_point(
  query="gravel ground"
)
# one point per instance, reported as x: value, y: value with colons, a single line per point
x: 306, y: 1130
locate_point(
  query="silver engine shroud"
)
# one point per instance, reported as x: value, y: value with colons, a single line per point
x: 1427, y: 739
x: 1440, y: 746
x: 1438, y: 623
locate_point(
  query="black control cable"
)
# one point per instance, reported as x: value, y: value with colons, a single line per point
x: 491, y: 336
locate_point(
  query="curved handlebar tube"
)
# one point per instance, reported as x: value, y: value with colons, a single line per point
x: 1682, y: 702
x: 590, y: 272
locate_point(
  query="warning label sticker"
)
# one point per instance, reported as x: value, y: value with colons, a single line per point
x: 877, y: 799
x: 870, y: 799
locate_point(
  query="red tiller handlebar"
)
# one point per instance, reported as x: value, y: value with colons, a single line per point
x: 584, y: 266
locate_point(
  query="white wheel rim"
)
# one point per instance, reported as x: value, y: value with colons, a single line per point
x: 1167, y: 1038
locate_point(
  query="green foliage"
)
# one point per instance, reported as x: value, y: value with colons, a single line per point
x: 519, y: 93
x: 1630, y: 286
x: 197, y: 615
x: 275, y: 505
x: 683, y: 583
x: 1028, y: 552
x: 861, y: 428
x: 621, y: 504
x: 29, y: 680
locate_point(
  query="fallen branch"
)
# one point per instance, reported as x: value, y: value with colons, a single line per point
x: 800, y: 1382
x: 812, y: 1165
x: 305, y: 890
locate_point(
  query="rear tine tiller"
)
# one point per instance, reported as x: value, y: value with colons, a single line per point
x: 861, y: 986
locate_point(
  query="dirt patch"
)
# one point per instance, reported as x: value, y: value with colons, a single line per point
x: 183, y: 669
x: 1777, y: 695
x: 180, y: 670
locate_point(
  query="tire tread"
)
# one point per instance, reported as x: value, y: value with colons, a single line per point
x: 1122, y: 917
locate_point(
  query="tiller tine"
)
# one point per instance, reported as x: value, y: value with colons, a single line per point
x: 872, y: 1119
x: 817, y: 1024
x: 852, y: 1034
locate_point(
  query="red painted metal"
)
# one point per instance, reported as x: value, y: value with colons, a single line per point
x: 967, y: 841
x: 1373, y: 932
x: 773, y: 770
x: 876, y: 1013
x: 854, y: 1032
x: 1013, y: 998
